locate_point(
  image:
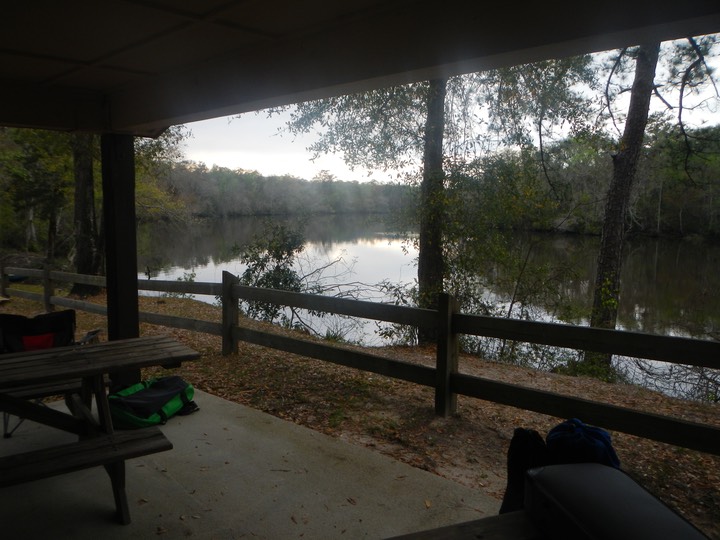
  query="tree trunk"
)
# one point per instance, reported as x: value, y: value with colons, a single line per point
x: 51, y: 235
x: 431, y: 262
x: 87, y: 260
x: 607, y: 282
x: 30, y: 232
x: 658, y: 227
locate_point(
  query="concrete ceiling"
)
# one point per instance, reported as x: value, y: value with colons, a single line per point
x: 138, y: 66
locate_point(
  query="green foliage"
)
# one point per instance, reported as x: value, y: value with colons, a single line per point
x: 679, y: 182
x: 378, y: 129
x: 528, y: 103
x: 269, y: 261
x: 154, y: 161
x: 399, y: 295
x: 36, y: 173
x: 187, y: 277
x: 11, y: 223
x: 154, y: 155
x: 581, y: 169
x: 593, y: 365
x: 608, y: 296
x: 502, y: 191
x: 275, y: 260
x: 36, y: 177
x: 270, y: 264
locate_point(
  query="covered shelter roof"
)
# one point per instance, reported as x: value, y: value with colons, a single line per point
x: 138, y: 66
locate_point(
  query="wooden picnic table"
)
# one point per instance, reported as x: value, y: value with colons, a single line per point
x: 98, y: 443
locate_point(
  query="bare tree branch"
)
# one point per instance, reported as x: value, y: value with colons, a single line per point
x: 542, y: 160
x: 684, y: 83
x: 616, y: 65
x: 661, y: 98
x: 708, y: 70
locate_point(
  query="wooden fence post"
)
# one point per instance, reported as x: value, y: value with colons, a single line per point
x: 447, y: 357
x: 48, y: 291
x: 230, y: 313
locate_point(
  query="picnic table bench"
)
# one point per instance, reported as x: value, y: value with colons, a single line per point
x: 98, y: 443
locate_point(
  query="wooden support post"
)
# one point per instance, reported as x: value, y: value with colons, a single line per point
x: 447, y: 357
x: 118, y: 180
x: 230, y: 313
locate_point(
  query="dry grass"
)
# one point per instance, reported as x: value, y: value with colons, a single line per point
x: 396, y: 418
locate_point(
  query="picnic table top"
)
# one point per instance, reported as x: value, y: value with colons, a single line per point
x: 62, y: 363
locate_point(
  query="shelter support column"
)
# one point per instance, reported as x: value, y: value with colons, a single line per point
x: 118, y: 180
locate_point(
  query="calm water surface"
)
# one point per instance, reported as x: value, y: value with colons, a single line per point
x: 668, y: 286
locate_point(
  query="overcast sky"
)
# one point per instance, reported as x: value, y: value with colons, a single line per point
x: 252, y: 142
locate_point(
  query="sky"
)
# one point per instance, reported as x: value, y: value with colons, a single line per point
x: 252, y: 142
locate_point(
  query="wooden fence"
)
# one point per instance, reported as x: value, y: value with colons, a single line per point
x: 444, y: 377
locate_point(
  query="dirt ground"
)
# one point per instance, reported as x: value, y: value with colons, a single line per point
x: 397, y: 419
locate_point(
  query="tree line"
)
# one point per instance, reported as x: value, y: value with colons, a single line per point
x: 219, y: 192
x: 673, y: 195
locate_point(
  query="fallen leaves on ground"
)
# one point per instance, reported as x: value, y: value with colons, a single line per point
x: 397, y: 418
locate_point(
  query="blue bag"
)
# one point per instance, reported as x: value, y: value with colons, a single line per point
x: 575, y: 442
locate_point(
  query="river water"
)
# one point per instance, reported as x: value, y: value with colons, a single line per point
x: 668, y: 286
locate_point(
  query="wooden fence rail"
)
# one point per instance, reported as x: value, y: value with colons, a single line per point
x: 694, y: 352
x: 444, y: 377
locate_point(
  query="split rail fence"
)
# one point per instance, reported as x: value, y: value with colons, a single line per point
x: 445, y: 377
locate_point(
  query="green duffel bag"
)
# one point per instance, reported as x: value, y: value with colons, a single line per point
x: 151, y: 402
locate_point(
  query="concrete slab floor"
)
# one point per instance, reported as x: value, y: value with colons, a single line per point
x: 236, y: 472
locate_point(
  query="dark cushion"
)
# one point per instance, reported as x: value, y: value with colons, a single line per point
x: 589, y: 500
